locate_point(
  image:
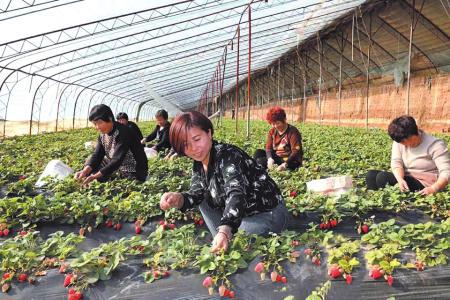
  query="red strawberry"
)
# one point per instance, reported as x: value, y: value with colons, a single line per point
x: 259, y: 267
x: 284, y: 279
x: 75, y: 296
x: 23, y: 277
x: 322, y: 226
x: 226, y: 293
x: 6, y: 232
x: 6, y: 276
x: 315, y: 260
x: 164, y: 226
x: 207, y: 282
x: 137, y: 229
x: 307, y: 251
x: 364, y: 228
x: 295, y: 243
x: 5, y: 287
x: 273, y: 276
x: 162, y: 222
x: 231, y: 294
x: 23, y: 233
x: 334, y: 272
x: 72, y: 291
x: 333, y: 223
x: 109, y: 223
x: 68, y: 280
x: 201, y: 222
x: 156, y: 274
x: 348, y: 278
x: 375, y: 273
x: 293, y: 194
x: 390, y: 280
x: 118, y: 226
x: 166, y: 274
x: 1, y: 233
x: 172, y: 226
x: 22, y: 177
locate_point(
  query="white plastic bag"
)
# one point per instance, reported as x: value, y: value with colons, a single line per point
x: 332, y: 186
x: 55, y: 168
x: 90, y: 145
x: 150, y: 152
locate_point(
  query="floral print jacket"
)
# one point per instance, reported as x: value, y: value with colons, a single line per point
x: 234, y: 183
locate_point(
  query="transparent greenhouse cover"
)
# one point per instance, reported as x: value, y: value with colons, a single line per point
x: 62, y: 57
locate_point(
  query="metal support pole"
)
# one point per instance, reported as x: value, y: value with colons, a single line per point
x: 320, y: 77
x: 411, y: 32
x: 368, y: 69
x: 249, y: 68
x: 341, y: 46
x: 236, y: 108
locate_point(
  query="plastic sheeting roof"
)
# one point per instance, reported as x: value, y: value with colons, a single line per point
x: 59, y: 58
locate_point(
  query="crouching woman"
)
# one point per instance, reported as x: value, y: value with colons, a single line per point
x: 233, y: 192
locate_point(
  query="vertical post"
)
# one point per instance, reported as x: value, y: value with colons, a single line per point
x: 222, y: 112
x: 249, y: 67
x: 411, y: 32
x: 292, y: 93
x: 278, y: 82
x: 368, y: 69
x: 236, y: 113
x: 341, y: 46
x: 320, y: 77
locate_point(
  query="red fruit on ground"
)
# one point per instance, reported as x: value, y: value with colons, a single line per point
x: 375, y: 273
x: 6, y: 275
x: 390, y: 280
x: 109, y: 223
x: 348, y: 279
x: 23, y: 233
x: 72, y: 291
x: 231, y: 294
x: 333, y: 223
x: 22, y: 277
x: 6, y: 287
x: 162, y: 222
x: 307, y: 251
x: 166, y: 274
x: 6, y: 232
x: 279, y: 278
x: 118, y: 226
x: 334, y: 272
x: 138, y: 229
x: 284, y: 279
x: 201, y: 222
x: 364, y: 228
x: 293, y: 194
x: 67, y: 280
x: 259, y: 267
x: 172, y: 226
x: 156, y: 274
x: 207, y: 282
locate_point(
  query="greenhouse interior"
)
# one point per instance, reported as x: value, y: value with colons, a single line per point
x: 225, y: 149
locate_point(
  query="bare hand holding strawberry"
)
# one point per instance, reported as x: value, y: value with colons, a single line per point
x: 171, y: 199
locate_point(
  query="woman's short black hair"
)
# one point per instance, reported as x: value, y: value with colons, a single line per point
x: 402, y: 128
x: 162, y: 113
x: 101, y: 112
x: 122, y: 115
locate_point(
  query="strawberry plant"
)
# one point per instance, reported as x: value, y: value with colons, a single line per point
x: 382, y: 261
x: 341, y: 260
x: 220, y: 266
x: 273, y: 250
x: 320, y: 292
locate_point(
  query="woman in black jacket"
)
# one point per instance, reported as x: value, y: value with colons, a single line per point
x: 160, y: 133
x: 118, y: 149
x: 233, y: 191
